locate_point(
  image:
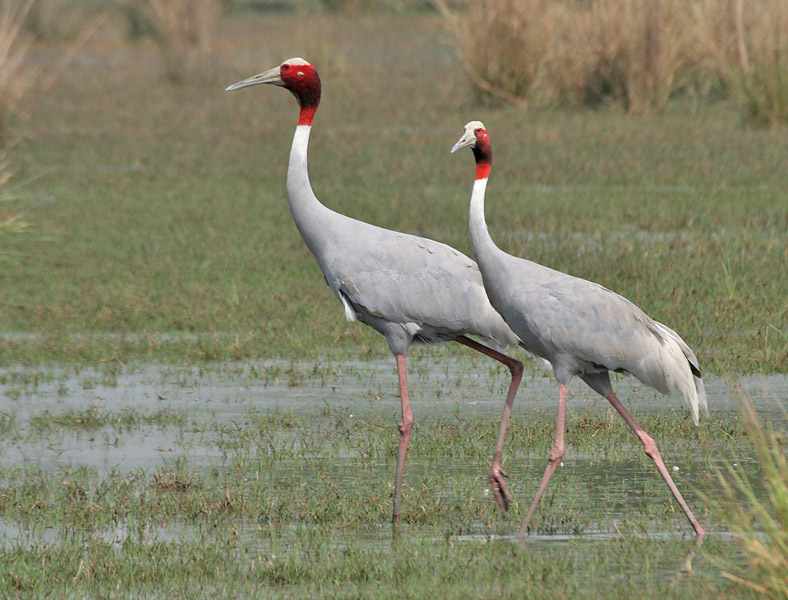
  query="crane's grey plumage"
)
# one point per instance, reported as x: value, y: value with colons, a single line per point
x: 408, y: 288
x: 585, y: 329
x: 580, y: 327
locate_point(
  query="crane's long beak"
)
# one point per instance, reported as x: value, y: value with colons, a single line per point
x: 271, y: 76
x: 468, y: 139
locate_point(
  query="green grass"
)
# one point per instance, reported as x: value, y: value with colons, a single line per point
x: 163, y: 229
x: 322, y: 565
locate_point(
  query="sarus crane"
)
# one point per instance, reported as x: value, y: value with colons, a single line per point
x: 580, y: 328
x: 408, y: 288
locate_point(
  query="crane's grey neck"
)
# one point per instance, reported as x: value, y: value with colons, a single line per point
x: 308, y: 213
x: 483, y: 245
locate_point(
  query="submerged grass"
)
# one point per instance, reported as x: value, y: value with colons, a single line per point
x: 96, y: 418
x: 334, y: 468
x: 300, y: 505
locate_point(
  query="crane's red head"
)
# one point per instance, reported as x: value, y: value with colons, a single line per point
x: 476, y: 137
x: 296, y: 75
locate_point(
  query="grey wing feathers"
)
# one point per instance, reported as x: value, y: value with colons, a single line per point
x: 408, y: 279
x: 661, y: 331
x: 586, y: 320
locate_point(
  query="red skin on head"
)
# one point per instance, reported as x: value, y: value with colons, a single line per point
x: 304, y: 83
x: 482, y: 152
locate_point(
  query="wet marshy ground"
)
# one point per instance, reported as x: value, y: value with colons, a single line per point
x: 271, y: 464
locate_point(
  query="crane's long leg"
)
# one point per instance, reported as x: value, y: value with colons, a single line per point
x: 653, y: 453
x: 556, y: 454
x: 497, y: 476
x: 405, y: 427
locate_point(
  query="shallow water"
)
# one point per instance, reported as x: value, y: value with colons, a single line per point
x: 227, y: 393
x: 228, y: 390
x: 588, y: 486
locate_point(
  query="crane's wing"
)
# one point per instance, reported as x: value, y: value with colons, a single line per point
x: 408, y: 279
x: 593, y: 323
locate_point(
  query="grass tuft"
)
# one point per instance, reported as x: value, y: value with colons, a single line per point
x: 756, y: 510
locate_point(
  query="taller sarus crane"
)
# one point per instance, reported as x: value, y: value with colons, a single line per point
x: 581, y: 328
x: 408, y: 288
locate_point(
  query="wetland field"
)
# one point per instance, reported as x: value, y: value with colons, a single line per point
x: 185, y: 412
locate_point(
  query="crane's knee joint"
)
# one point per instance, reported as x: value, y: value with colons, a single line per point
x: 649, y: 446
x: 406, y: 426
x: 516, y: 369
x: 556, y: 453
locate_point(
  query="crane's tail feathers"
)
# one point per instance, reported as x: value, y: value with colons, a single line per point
x: 680, y: 371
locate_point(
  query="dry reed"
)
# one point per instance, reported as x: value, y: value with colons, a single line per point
x: 20, y: 75
x: 746, y: 45
x: 631, y: 51
x: 185, y: 32
x: 637, y: 53
x: 57, y: 19
x: 17, y: 78
x: 639, y: 50
x: 503, y: 45
x: 10, y: 222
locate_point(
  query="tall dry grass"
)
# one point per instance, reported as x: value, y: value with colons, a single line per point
x: 50, y: 20
x: 636, y: 53
x: 746, y: 45
x: 639, y: 50
x: 547, y: 51
x: 185, y: 31
x: 17, y: 76
x: 757, y: 513
x: 505, y: 45
x: 20, y: 74
x: 10, y: 221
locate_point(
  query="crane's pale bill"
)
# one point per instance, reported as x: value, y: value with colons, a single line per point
x: 271, y: 76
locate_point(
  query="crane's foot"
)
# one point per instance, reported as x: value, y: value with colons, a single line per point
x: 498, y: 486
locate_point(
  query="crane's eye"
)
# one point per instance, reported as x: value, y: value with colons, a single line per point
x: 285, y: 67
x: 300, y: 74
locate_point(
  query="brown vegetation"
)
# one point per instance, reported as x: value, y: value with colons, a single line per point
x: 19, y: 75
x: 746, y: 46
x: 16, y: 76
x: 637, y: 53
x: 185, y: 31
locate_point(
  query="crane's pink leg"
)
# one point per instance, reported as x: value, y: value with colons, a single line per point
x: 405, y: 427
x: 653, y: 453
x: 497, y: 476
x: 556, y: 454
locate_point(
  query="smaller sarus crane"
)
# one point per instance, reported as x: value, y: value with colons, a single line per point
x: 581, y: 328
